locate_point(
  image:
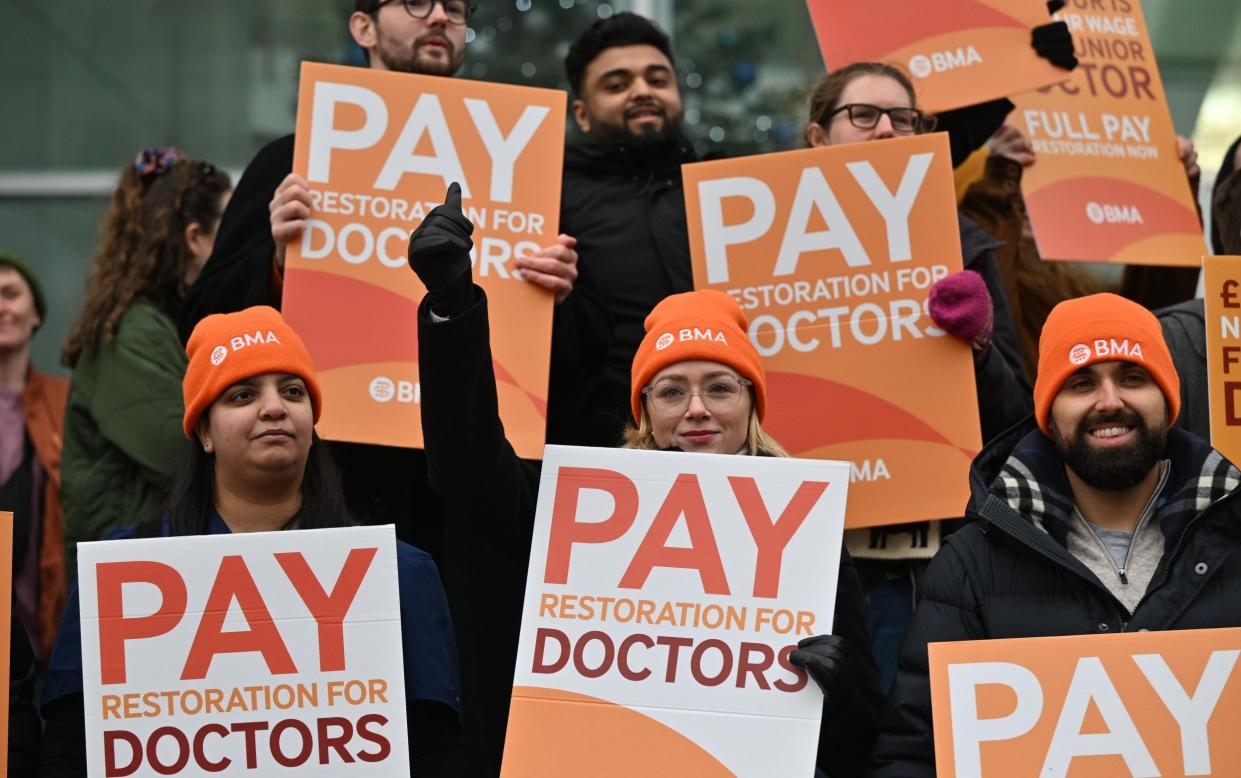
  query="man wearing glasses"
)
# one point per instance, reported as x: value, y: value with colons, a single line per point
x: 269, y: 209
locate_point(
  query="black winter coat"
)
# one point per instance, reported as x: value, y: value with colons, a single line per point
x: 626, y: 207
x: 490, y: 495
x: 1000, y: 380
x: 1008, y: 574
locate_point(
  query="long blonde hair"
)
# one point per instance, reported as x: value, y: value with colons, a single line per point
x: 757, y: 441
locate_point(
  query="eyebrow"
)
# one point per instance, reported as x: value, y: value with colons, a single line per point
x: 712, y: 374
x: 630, y: 71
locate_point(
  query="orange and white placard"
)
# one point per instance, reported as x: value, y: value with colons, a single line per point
x: 831, y: 253
x: 252, y: 654
x: 1094, y: 706
x: 1222, y: 313
x: 379, y: 150
x: 1108, y: 185
x: 666, y: 591
x: 959, y: 52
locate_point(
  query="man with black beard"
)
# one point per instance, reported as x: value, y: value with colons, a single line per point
x: 623, y: 201
x: 1094, y: 516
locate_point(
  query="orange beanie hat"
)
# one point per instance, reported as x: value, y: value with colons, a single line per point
x: 1101, y: 328
x: 707, y: 324
x: 229, y: 347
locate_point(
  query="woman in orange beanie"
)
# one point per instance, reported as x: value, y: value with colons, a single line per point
x: 697, y: 385
x: 254, y: 463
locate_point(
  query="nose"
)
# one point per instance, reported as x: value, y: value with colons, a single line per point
x: 884, y: 128
x: 1109, y: 397
x: 697, y: 409
x: 438, y: 15
x: 271, y: 404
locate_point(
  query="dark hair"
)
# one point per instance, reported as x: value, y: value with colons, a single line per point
x: 193, y: 492
x: 622, y: 29
x: 366, y: 6
x: 1225, y: 171
x: 143, y: 253
x: 826, y: 95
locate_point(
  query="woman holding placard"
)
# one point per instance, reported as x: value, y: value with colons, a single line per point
x: 694, y: 393
x: 869, y: 101
x: 255, y: 464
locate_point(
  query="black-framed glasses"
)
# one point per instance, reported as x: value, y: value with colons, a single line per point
x: 904, y: 120
x: 457, y: 11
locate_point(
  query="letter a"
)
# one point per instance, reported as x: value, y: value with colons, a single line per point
x: 233, y: 581
x: 703, y: 555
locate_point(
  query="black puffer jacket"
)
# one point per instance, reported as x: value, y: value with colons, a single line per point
x: 625, y: 205
x: 1008, y: 574
x: 490, y: 496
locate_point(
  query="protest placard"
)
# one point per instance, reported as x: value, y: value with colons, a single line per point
x: 379, y: 150
x: 1108, y: 185
x: 959, y: 52
x: 1222, y: 313
x: 831, y: 253
x: 1091, y: 706
x: 252, y: 653
x: 665, y: 593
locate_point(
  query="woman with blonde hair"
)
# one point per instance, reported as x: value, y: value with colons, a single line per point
x: 122, y: 429
x: 695, y: 394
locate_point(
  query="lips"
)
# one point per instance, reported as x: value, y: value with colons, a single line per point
x: 700, y: 436
x: 277, y: 434
x: 645, y: 111
x: 436, y: 42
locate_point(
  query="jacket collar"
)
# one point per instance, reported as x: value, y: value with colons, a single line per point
x: 591, y: 156
x: 1023, y: 470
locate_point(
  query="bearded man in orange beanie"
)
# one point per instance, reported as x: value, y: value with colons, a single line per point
x: 1095, y: 516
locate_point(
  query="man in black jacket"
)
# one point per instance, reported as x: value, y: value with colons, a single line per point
x: 1095, y: 516
x: 622, y: 199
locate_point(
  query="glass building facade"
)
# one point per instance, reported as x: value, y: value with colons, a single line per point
x: 85, y: 85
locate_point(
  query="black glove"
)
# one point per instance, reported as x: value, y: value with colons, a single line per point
x: 439, y: 252
x: 829, y: 663
x: 1053, y: 42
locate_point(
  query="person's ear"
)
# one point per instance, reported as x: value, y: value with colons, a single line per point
x: 362, y: 28
x: 202, y: 431
x: 815, y: 135
x: 581, y: 116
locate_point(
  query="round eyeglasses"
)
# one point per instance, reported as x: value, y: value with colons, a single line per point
x: 908, y: 121
x: 457, y: 11
x: 719, y: 395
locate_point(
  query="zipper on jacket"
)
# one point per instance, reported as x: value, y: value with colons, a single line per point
x: 1120, y: 569
x: 1143, y: 519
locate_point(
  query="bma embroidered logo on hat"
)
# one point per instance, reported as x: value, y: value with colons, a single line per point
x: 1107, y: 348
x: 664, y: 341
x: 218, y: 355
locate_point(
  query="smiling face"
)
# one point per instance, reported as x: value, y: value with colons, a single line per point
x: 1110, y: 423
x: 18, y: 316
x: 629, y: 91
x: 699, y: 406
x: 260, y: 428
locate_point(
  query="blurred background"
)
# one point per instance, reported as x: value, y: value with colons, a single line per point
x: 84, y: 85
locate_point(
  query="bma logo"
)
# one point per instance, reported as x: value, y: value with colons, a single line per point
x: 942, y: 61
x: 693, y: 333
x: 1106, y: 348
x: 383, y: 389
x: 258, y: 338
x: 664, y: 341
x: 218, y: 355
x: 1113, y: 214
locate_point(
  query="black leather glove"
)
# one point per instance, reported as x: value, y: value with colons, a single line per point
x: 439, y: 252
x: 1053, y: 42
x: 829, y: 663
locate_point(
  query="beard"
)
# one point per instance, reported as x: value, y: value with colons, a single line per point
x: 411, y: 59
x: 1113, y: 469
x: 646, y: 136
